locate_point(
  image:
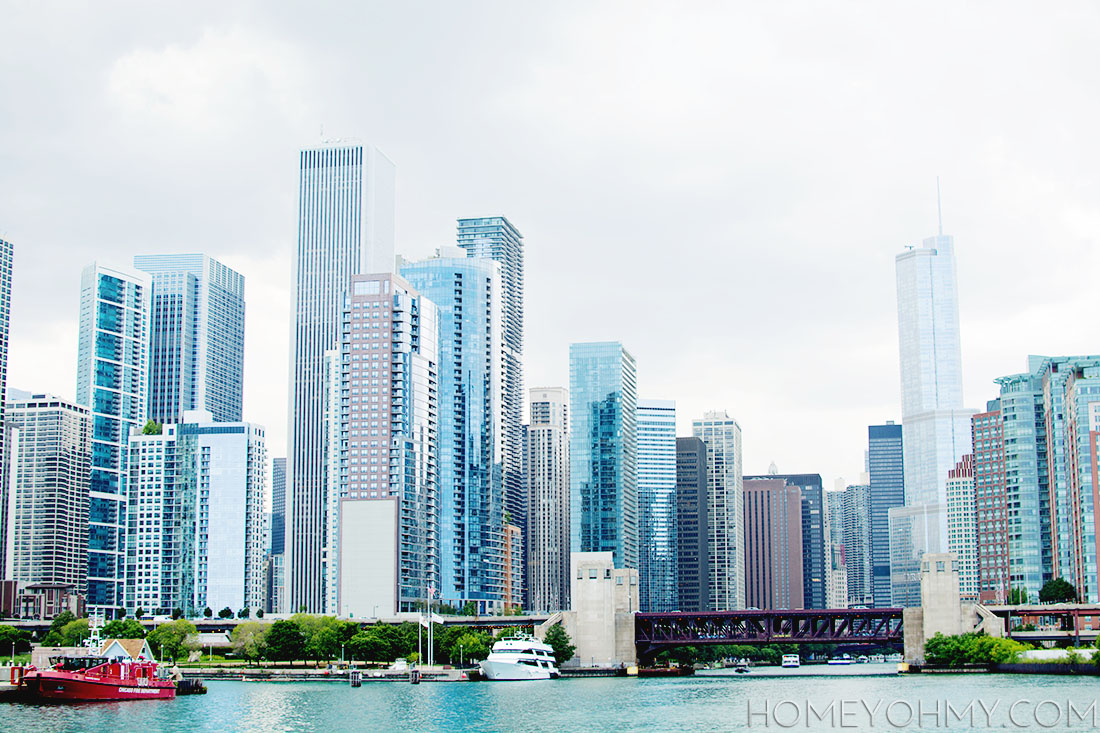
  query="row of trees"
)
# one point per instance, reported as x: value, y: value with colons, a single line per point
x: 971, y: 648
x: 769, y: 654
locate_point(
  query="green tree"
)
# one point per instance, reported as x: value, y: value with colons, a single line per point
x: 174, y: 638
x: 14, y: 640
x: 971, y: 648
x: 177, y: 613
x: 139, y: 612
x: 53, y: 636
x: 123, y: 628
x: 152, y: 428
x: 285, y: 642
x: 243, y: 613
x: 562, y: 645
x: 383, y: 642
x: 208, y: 612
x: 1017, y: 596
x: 74, y: 632
x: 470, y: 609
x: 248, y: 640
x: 471, y: 647
x: 259, y: 613
x: 1058, y: 590
x: 226, y: 612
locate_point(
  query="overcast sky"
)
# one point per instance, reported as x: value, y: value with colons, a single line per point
x: 723, y: 187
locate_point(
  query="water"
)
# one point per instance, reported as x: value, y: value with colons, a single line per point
x: 709, y: 701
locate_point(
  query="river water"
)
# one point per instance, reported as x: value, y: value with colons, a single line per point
x: 858, y: 698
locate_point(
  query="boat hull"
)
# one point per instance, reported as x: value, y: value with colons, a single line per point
x: 77, y: 688
x: 506, y: 671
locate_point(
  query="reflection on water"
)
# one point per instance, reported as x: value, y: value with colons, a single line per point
x: 711, y: 700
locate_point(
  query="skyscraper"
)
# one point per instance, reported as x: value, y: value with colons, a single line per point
x: 991, y: 520
x: 345, y: 227
x: 495, y: 238
x: 112, y: 367
x: 473, y: 541
x: 278, y: 505
x: 962, y: 525
x: 885, y: 467
x: 859, y: 546
x: 935, y: 425
x: 387, y: 552
x: 50, y: 465
x: 725, y: 509
x: 692, y: 525
x: 196, y: 359
x: 813, y: 534
x: 7, y: 252
x: 657, y: 539
x: 603, y: 448
x: 196, y: 516
x: 548, y: 500
x: 836, y: 568
x: 773, y: 543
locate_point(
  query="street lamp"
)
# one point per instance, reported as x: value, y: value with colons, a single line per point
x: 341, y: 654
x: 460, y: 655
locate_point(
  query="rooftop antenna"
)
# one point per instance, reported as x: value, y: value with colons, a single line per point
x: 939, y: 208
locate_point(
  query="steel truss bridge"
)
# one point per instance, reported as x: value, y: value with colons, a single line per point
x: 656, y: 632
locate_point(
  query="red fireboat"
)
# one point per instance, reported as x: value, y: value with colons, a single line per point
x: 79, y: 679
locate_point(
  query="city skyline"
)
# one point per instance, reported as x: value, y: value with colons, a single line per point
x: 790, y: 218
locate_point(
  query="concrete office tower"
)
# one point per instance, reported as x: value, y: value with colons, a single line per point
x: 388, y: 544
x: 773, y: 544
x: 657, y: 539
x: 936, y: 427
x: 813, y: 534
x: 692, y: 525
x: 548, y: 500
x: 112, y: 368
x: 885, y: 467
x: 603, y: 451
x: 46, y: 537
x: 725, y: 509
x: 962, y: 525
x: 495, y: 238
x: 858, y: 566
x: 836, y: 570
x: 473, y: 540
x: 196, y: 356
x: 991, y: 508
x: 196, y: 524
x: 7, y: 252
x: 345, y: 227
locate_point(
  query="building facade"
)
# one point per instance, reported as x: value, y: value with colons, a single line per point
x: 962, y: 526
x: 196, y: 355
x: 725, y: 509
x: 836, y: 568
x: 991, y: 506
x: 859, y: 547
x: 345, y: 227
x: 46, y: 536
x: 196, y: 525
x: 112, y: 369
x: 692, y: 526
x: 914, y: 530
x: 495, y: 238
x: 773, y: 544
x: 548, y: 500
x: 657, y: 538
x: 7, y: 253
x: 388, y: 542
x: 886, y: 478
x: 813, y: 534
x: 473, y: 539
x: 603, y: 451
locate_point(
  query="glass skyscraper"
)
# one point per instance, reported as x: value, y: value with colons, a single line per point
x: 886, y: 471
x: 725, y: 509
x: 813, y: 534
x: 603, y: 490
x: 112, y: 367
x: 196, y: 528
x: 467, y: 291
x: 345, y: 227
x: 497, y: 239
x: 7, y: 252
x: 692, y: 523
x: 196, y: 359
x: 935, y: 425
x: 657, y: 538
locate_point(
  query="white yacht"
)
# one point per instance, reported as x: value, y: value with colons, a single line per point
x: 791, y: 660
x: 520, y: 658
